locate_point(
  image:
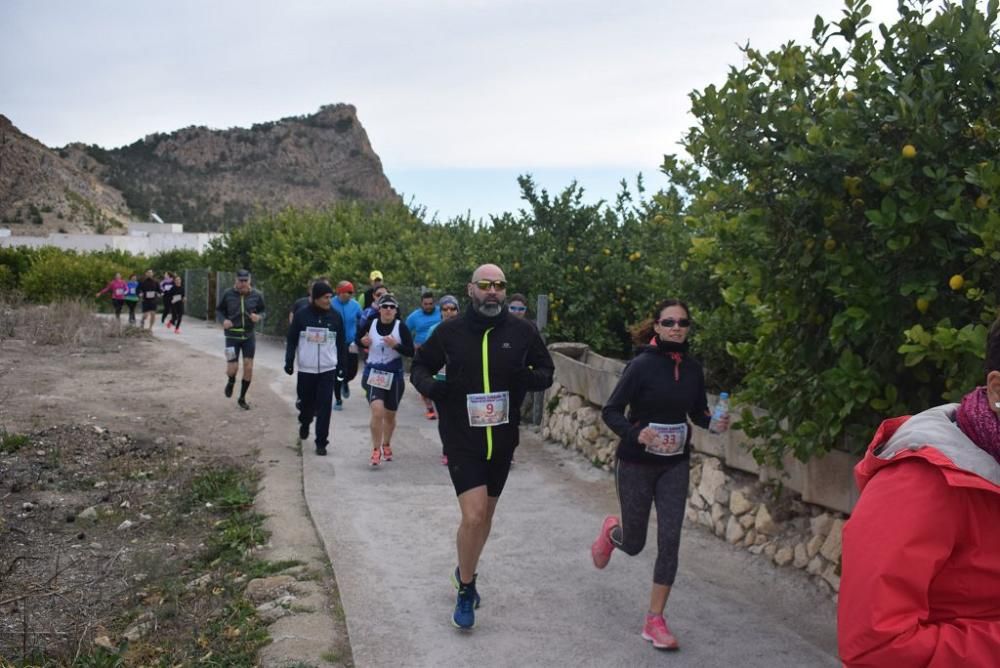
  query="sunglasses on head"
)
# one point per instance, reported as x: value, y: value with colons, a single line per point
x: 486, y: 285
x: 388, y: 306
x: 670, y: 322
x: 517, y: 309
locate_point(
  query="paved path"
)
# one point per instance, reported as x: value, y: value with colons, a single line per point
x: 389, y: 533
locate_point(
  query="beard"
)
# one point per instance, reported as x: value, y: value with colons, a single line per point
x: 490, y: 306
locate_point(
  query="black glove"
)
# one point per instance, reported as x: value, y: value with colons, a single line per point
x: 439, y: 390
x: 289, y: 369
x: 340, y: 375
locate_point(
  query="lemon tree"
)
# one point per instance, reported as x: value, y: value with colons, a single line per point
x: 846, y: 189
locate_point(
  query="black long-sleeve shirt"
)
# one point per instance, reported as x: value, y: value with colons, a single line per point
x: 658, y: 389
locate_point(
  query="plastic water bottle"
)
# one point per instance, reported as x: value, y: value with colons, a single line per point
x: 720, y: 411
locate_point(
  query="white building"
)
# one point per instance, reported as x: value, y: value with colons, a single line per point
x: 142, y: 239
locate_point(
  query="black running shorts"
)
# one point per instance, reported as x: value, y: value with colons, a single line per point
x: 390, y: 397
x: 149, y: 305
x: 234, y: 347
x: 468, y: 472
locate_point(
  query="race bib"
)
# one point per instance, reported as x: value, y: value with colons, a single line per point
x: 176, y: 299
x: 230, y: 353
x: 150, y: 294
x: 380, y: 379
x: 119, y: 293
x: 487, y: 410
x: 317, y: 335
x: 670, y: 439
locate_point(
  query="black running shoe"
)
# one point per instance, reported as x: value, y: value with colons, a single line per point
x: 229, y: 387
x: 303, y: 431
x: 321, y: 452
x: 242, y: 403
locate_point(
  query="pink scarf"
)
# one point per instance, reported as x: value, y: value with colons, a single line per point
x: 979, y: 422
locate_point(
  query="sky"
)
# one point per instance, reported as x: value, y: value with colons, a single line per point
x: 458, y: 97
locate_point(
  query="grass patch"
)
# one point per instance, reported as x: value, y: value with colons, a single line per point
x: 10, y: 443
x: 225, y: 488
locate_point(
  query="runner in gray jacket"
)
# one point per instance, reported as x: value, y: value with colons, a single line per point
x: 240, y: 308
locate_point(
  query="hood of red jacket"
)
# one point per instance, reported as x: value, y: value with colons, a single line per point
x: 935, y: 437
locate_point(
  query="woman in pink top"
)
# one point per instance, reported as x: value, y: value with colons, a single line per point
x: 118, y: 289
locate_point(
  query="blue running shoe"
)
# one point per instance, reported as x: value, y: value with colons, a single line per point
x: 338, y: 406
x: 465, y: 613
x: 456, y: 583
x: 346, y: 391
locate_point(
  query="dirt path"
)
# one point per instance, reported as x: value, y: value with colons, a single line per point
x: 160, y: 392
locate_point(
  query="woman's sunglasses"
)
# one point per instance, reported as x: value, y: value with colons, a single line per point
x: 670, y: 322
x: 388, y: 306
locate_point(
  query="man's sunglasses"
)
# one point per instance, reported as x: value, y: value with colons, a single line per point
x: 388, y: 306
x: 670, y: 322
x: 486, y: 285
x: 517, y: 309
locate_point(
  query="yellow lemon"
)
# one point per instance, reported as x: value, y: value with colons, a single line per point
x: 909, y: 151
x: 830, y: 245
x: 607, y: 251
x: 517, y: 265
x: 956, y: 282
x: 923, y: 305
x: 982, y: 201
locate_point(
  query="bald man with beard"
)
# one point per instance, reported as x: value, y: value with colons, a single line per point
x: 493, y: 360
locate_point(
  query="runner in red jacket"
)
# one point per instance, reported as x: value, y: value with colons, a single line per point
x: 921, y: 558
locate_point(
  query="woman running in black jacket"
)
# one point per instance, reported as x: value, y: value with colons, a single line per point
x: 663, y: 388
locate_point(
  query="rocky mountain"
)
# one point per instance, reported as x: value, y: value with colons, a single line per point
x: 210, y: 179
x: 42, y: 191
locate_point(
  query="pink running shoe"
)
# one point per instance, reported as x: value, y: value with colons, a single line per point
x: 656, y: 631
x: 376, y: 457
x: 602, y: 547
x: 387, y: 452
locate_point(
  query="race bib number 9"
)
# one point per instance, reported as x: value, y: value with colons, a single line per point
x: 317, y: 335
x: 488, y: 409
x: 670, y: 439
x: 175, y: 299
x: 380, y: 379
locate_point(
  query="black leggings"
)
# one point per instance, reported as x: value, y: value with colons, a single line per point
x: 639, y: 486
x: 131, y: 309
x: 177, y: 313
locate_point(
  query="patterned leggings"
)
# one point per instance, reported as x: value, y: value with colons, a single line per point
x: 640, y: 485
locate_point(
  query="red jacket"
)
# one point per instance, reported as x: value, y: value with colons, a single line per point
x: 920, y: 583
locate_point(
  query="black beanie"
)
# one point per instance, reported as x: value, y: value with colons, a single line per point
x: 320, y: 289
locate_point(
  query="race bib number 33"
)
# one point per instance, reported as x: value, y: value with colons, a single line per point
x: 670, y: 439
x: 487, y: 409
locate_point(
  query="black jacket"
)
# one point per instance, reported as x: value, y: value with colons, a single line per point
x: 519, y: 363
x: 656, y: 389
x: 237, y: 308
